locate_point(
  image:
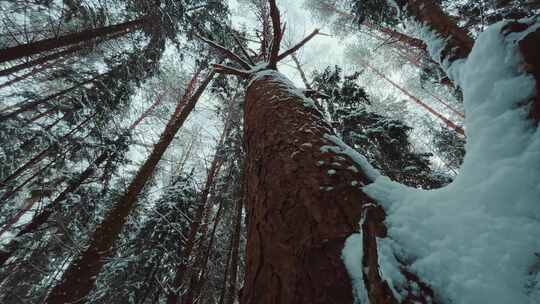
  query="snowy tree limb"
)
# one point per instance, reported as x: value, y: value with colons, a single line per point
x: 298, y: 46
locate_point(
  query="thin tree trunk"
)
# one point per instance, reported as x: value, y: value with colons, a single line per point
x: 78, y: 280
x: 44, y: 152
x: 24, y: 76
x: 458, y: 43
x: 28, y: 142
x: 450, y: 124
x: 37, y: 47
x: 301, y: 71
x: 408, y: 40
x: 185, y: 252
x: 30, y: 105
x: 74, y: 149
x: 235, y: 246
x: 198, y: 277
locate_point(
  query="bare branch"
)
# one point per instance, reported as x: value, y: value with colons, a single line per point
x: 223, y: 69
x: 242, y: 48
x: 226, y: 52
x: 298, y: 46
x: 301, y: 71
x: 276, y: 41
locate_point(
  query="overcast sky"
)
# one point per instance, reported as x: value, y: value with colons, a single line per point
x: 320, y: 52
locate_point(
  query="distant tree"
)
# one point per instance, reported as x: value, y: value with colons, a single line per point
x: 79, y: 278
x: 383, y: 141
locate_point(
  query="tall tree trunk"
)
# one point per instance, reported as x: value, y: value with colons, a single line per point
x: 58, y: 56
x: 296, y: 230
x: 34, y: 71
x: 303, y: 199
x: 37, y: 47
x: 450, y: 124
x: 41, y: 218
x: 186, y: 251
x: 235, y: 246
x: 28, y: 142
x: 407, y: 40
x: 458, y: 42
x: 78, y: 280
x: 223, y: 289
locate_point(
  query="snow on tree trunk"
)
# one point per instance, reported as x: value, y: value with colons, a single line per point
x: 458, y: 43
x: 476, y: 240
x: 303, y: 201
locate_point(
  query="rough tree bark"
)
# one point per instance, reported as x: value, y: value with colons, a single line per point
x: 291, y: 260
x: 300, y: 210
x: 79, y: 278
x: 458, y: 42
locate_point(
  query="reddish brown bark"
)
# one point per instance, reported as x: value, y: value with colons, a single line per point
x: 73, y: 148
x: 78, y: 280
x: 31, y: 105
x: 529, y: 47
x: 57, y: 57
x: 40, y: 61
x: 28, y: 142
x: 37, y: 47
x: 458, y: 42
x: 41, y: 218
x: 34, y: 71
x: 408, y: 40
x: 303, y: 200
x: 296, y: 229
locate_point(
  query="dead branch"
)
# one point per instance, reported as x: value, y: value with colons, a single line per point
x: 242, y: 48
x: 298, y: 46
x: 226, y: 52
x: 276, y: 41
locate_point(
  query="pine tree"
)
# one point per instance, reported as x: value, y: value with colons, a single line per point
x: 383, y: 141
x: 79, y: 278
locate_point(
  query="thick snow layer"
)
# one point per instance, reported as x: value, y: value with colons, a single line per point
x: 353, y: 263
x: 342, y: 148
x: 478, y: 239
